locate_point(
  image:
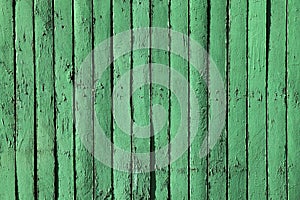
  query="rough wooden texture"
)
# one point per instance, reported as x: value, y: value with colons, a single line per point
x: 102, y: 174
x: 64, y: 97
x: 179, y: 169
x: 237, y: 100
x: 7, y: 121
x: 45, y: 119
x: 253, y: 43
x: 277, y: 101
x: 293, y: 120
x: 198, y: 166
x: 140, y: 101
x: 217, y: 51
x: 257, y: 176
x: 160, y: 96
x: 121, y: 22
x: 25, y: 105
x: 83, y: 46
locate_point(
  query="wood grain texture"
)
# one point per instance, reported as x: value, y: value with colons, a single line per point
x: 45, y: 118
x: 83, y: 46
x: 179, y: 169
x: 122, y: 21
x: 103, y: 188
x: 160, y: 96
x: 217, y: 52
x: 64, y: 78
x: 237, y: 100
x: 140, y: 101
x: 255, y: 47
x: 198, y: 166
x: 277, y: 171
x: 293, y: 120
x: 257, y: 100
x: 25, y: 94
x: 7, y: 100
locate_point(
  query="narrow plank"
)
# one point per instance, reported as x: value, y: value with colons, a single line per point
x: 25, y: 99
x: 7, y: 99
x: 217, y: 51
x: 102, y: 30
x: 237, y: 105
x: 257, y: 100
x: 277, y: 101
x: 141, y: 101
x: 64, y: 97
x: 160, y: 97
x: 45, y: 98
x: 121, y: 23
x: 198, y: 165
x: 293, y: 99
x: 83, y: 47
x: 179, y: 169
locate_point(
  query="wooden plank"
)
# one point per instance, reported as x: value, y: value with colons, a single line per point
x: 121, y: 22
x: 64, y: 97
x: 257, y: 100
x: 7, y: 100
x: 179, y: 169
x: 237, y: 105
x: 102, y: 29
x: 45, y: 98
x: 293, y: 99
x: 198, y: 165
x: 160, y: 97
x: 25, y: 99
x: 141, y: 101
x: 83, y: 46
x: 277, y: 101
x: 217, y: 51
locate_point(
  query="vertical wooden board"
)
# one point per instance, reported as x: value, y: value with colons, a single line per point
x: 102, y: 30
x: 64, y: 97
x: 7, y: 99
x: 237, y: 105
x: 179, y: 169
x: 83, y: 47
x: 293, y: 99
x: 217, y: 52
x: 160, y: 97
x: 45, y: 97
x: 257, y: 100
x: 276, y: 101
x: 121, y: 22
x: 25, y: 99
x: 140, y: 101
x: 198, y: 165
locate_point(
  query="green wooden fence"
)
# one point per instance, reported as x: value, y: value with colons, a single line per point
x: 254, y: 44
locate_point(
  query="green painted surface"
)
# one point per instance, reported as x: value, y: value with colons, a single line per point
x: 257, y: 176
x: 25, y: 105
x: 237, y: 101
x: 198, y: 166
x: 179, y: 168
x: 276, y: 103
x: 45, y: 130
x: 255, y: 47
x: 121, y: 22
x: 101, y: 31
x: 7, y: 145
x: 64, y: 97
x: 160, y: 96
x: 140, y: 101
x: 293, y: 88
x: 84, y: 167
x: 217, y: 51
